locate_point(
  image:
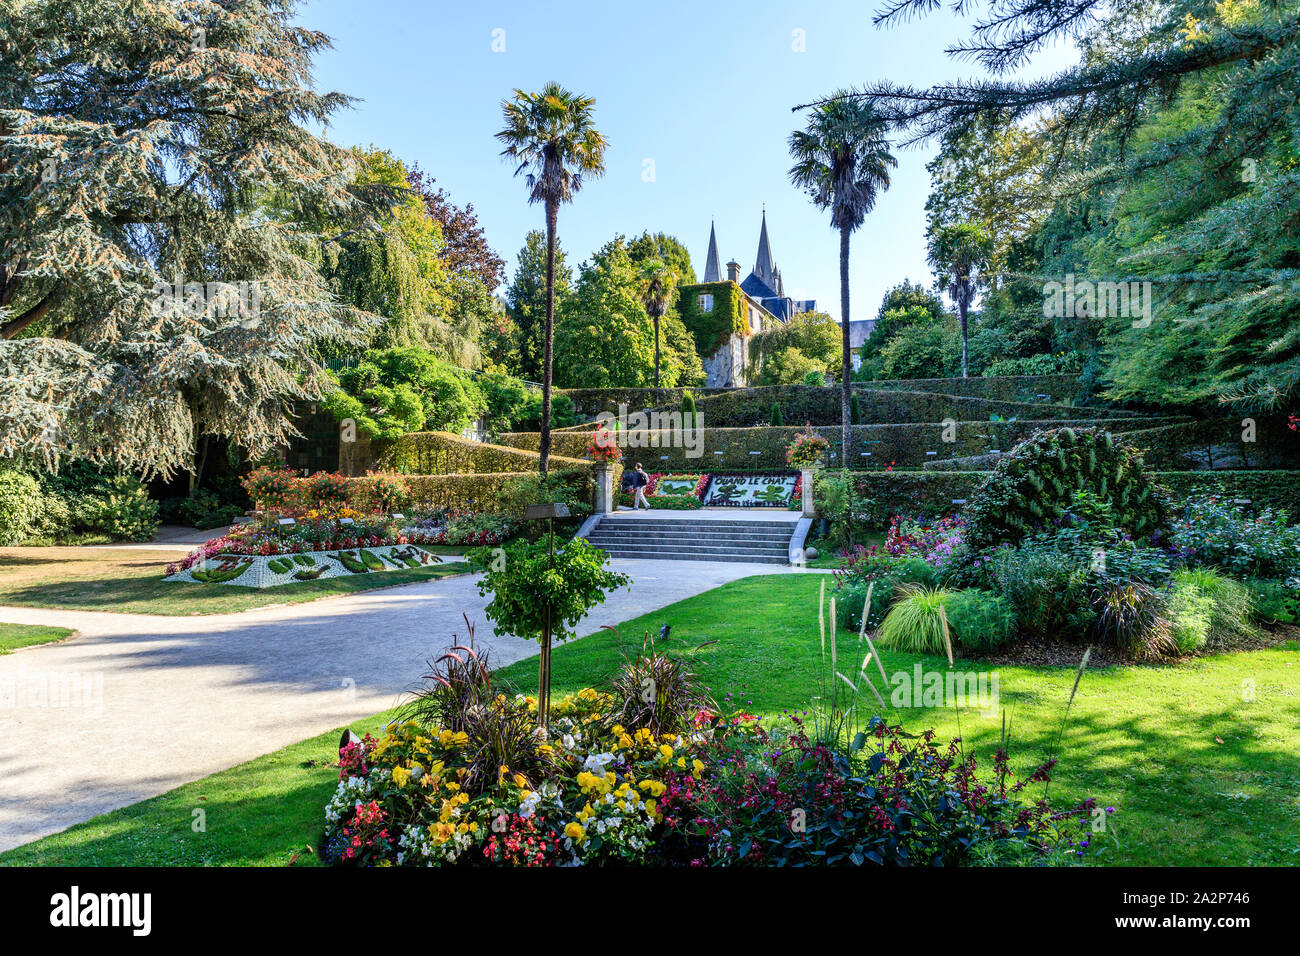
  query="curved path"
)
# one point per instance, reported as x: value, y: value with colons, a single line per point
x: 138, y: 704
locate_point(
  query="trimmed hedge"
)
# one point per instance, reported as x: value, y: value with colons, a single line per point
x: 820, y: 405
x: 1218, y: 444
x: 1025, y: 389
x: 480, y: 492
x: 904, y: 445
x: 928, y: 493
x: 442, y: 453
x: 931, y: 493
x: 1264, y: 488
x: 1004, y: 388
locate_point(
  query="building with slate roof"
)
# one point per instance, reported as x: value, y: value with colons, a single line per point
x: 759, y: 301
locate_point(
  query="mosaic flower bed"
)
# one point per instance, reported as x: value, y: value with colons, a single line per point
x: 690, y: 491
x: 752, y: 491
x: 258, y: 571
x: 323, y: 543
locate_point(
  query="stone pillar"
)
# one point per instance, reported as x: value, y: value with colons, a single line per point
x: 806, y: 487
x: 606, y: 503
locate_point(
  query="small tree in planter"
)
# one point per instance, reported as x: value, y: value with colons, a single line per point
x: 540, y: 594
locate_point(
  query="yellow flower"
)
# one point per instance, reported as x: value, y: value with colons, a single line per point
x: 520, y: 782
x: 697, y: 768
x: 400, y: 776
x: 575, y: 832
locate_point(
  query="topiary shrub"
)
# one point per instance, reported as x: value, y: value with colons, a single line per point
x: 1035, y: 484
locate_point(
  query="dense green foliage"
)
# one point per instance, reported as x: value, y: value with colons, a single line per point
x: 1037, y: 483
x: 604, y: 336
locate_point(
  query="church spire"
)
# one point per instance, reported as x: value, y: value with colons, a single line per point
x: 763, y: 267
x: 712, y: 262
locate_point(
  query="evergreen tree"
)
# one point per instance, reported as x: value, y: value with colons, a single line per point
x: 526, y: 300
x: 145, y: 143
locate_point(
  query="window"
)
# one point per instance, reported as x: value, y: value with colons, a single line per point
x: 706, y: 302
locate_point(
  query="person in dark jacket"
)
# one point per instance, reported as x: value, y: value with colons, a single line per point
x: 639, y: 481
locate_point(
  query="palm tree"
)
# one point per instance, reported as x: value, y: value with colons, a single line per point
x: 658, y: 291
x: 959, y: 255
x: 842, y: 159
x: 551, y: 136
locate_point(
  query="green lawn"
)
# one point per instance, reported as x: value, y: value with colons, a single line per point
x: 1197, y: 774
x: 14, y: 636
x: 131, y: 581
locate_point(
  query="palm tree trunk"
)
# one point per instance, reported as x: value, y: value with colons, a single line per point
x: 552, y: 215
x: 656, y: 318
x: 846, y: 363
x: 962, y: 307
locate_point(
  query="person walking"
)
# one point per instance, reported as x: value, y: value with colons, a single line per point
x: 639, y: 481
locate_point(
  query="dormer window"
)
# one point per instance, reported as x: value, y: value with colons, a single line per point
x: 706, y: 302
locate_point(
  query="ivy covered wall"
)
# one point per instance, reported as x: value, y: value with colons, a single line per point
x: 712, y: 329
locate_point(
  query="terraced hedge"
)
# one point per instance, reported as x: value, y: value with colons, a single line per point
x: 481, y: 492
x: 800, y: 404
x: 905, y: 445
x: 1218, y: 444
x: 1264, y: 488
x: 1024, y: 389
x: 442, y: 453
x: 1058, y: 389
x: 929, y: 493
x: 935, y: 493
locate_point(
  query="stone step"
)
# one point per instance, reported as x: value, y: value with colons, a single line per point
x: 691, y: 535
x: 654, y: 555
x: 706, y: 525
x: 703, y: 548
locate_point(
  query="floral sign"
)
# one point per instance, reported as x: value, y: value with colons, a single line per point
x: 748, y: 491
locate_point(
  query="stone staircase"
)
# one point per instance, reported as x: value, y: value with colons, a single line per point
x: 684, y: 539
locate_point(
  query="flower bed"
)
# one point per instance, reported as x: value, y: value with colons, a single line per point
x: 476, y: 785
x: 318, y: 532
x: 242, y: 569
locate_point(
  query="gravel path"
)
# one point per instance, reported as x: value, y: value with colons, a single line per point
x: 138, y: 704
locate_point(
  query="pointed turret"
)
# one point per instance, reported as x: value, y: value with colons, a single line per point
x: 763, y: 267
x: 712, y: 262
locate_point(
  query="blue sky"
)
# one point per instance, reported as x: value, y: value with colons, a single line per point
x: 703, y: 91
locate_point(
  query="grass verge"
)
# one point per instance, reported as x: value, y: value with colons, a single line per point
x: 14, y: 636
